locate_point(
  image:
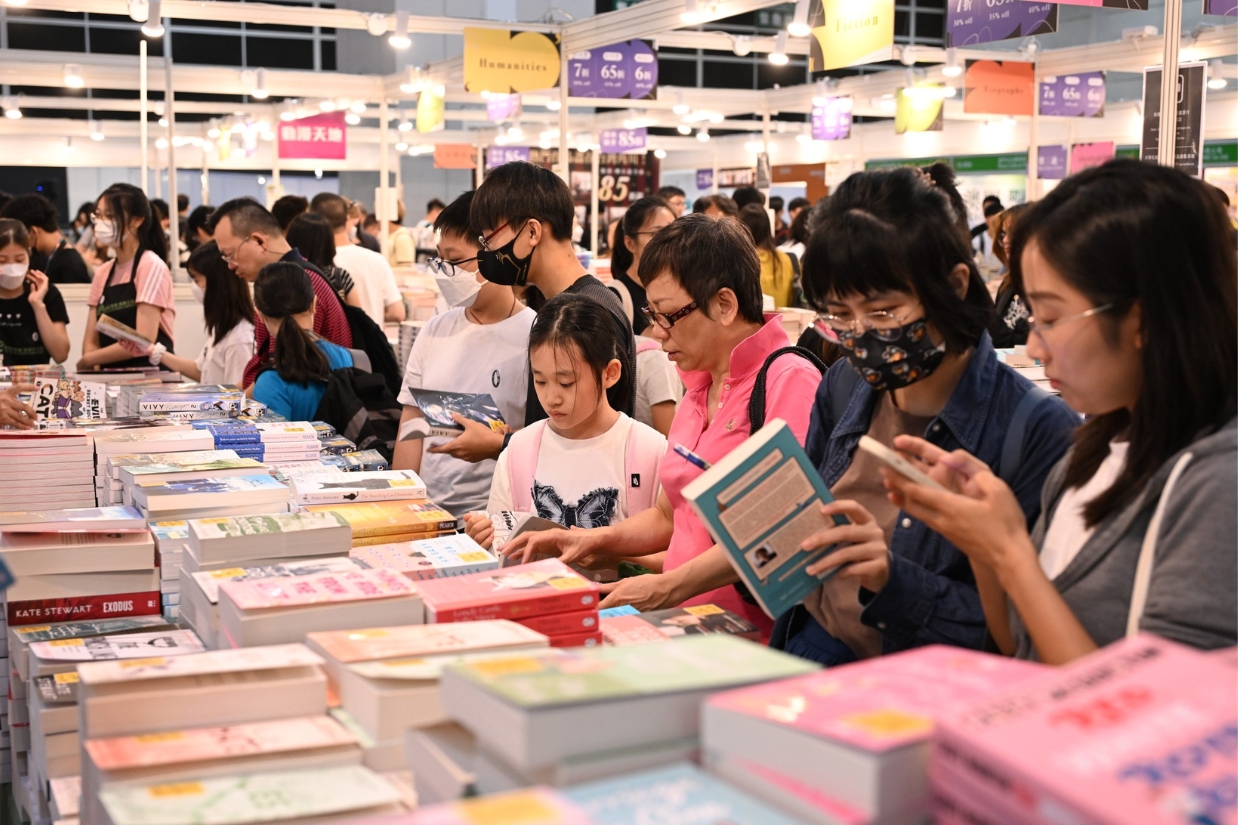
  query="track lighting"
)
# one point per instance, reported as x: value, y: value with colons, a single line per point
x: 400, y: 40
x: 779, y: 55
x: 153, y: 27
x: 73, y: 76
x: 798, y: 27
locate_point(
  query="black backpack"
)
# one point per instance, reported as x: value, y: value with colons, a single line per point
x: 362, y: 409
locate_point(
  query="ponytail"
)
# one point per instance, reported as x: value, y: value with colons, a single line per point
x: 568, y: 321
x: 283, y: 291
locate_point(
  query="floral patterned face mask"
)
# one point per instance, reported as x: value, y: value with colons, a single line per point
x: 890, y: 359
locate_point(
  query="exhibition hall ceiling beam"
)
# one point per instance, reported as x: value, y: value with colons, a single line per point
x: 649, y: 19
x: 1135, y: 55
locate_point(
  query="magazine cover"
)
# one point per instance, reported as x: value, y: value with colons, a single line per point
x: 66, y: 398
x: 438, y: 407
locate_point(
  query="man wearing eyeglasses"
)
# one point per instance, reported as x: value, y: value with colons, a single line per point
x: 249, y: 238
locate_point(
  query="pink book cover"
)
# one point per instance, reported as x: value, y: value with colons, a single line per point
x: 1144, y: 730
x: 827, y: 805
x: 560, y: 624
x: 576, y: 640
x: 535, y: 589
x: 883, y: 703
x: 529, y: 806
x: 202, y: 744
x: 417, y: 640
x: 630, y: 630
x: 961, y: 792
x: 319, y: 588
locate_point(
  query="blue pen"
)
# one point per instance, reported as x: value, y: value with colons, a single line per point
x: 691, y: 457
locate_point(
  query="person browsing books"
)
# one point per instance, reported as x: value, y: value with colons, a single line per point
x: 303, y: 361
x: 703, y: 280
x: 480, y: 345
x: 51, y: 252
x: 32, y: 313
x: 13, y: 411
x: 228, y: 312
x: 311, y: 235
x: 135, y: 287
x: 1131, y: 275
x: 588, y: 465
x: 376, y: 289
x: 249, y: 238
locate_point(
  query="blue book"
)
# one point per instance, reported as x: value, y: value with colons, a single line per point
x: 678, y: 793
x: 623, y: 610
x: 759, y: 503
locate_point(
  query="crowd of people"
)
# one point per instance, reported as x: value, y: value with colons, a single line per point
x: 1064, y: 521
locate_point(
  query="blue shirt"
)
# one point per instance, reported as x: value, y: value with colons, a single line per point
x: 299, y: 402
x: 931, y: 595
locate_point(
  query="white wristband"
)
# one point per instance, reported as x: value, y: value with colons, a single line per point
x: 156, y: 354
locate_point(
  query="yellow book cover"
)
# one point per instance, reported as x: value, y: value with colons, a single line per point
x: 387, y: 518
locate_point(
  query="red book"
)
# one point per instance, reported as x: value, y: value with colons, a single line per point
x: 561, y: 624
x: 519, y: 592
x: 113, y: 606
x: 577, y: 639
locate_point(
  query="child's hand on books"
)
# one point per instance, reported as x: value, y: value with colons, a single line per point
x: 479, y: 528
x: 862, y: 553
x: 648, y: 592
x: 13, y: 411
x: 477, y: 443
x: 571, y: 546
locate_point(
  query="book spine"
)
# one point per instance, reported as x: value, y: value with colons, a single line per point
x: 959, y: 793
x: 342, y: 496
x: 561, y: 624
x: 392, y: 538
x: 403, y: 529
x: 555, y: 603
x: 82, y: 608
x: 576, y: 640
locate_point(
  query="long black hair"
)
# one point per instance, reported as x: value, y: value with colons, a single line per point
x: 1134, y: 234
x: 757, y: 220
x: 226, y: 301
x: 573, y: 322
x: 896, y: 231
x: 630, y: 225
x: 126, y: 201
x: 311, y: 235
x: 283, y: 290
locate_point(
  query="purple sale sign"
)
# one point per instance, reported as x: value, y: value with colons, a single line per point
x: 704, y: 179
x: 831, y: 119
x: 1051, y: 162
x: 1226, y: 8
x: 623, y: 140
x: 502, y: 107
x: 498, y: 155
x: 971, y: 22
x: 1073, y: 95
x: 621, y: 70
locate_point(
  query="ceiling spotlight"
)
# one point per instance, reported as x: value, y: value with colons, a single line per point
x: 660, y: 154
x: 213, y: 132
x: 702, y: 135
x: 352, y: 119
x: 406, y: 125
x: 318, y: 173
x: 949, y: 91
x: 96, y: 131
x: 11, y: 110
x: 376, y: 24
x: 73, y: 76
x: 681, y: 108
x: 401, y: 146
x: 779, y: 55
x: 716, y: 117
x: 952, y: 68
x: 262, y: 181
x: 163, y: 123
x: 327, y: 105
x: 803, y: 138
x: 357, y: 108
x: 287, y: 115
x: 139, y: 10
x: 400, y: 40
x: 554, y: 105
x: 162, y: 143
x: 153, y: 27
x: 692, y: 13
x: 684, y: 129
x: 1215, y: 79
x: 260, y: 85
x: 798, y: 27
x: 741, y: 45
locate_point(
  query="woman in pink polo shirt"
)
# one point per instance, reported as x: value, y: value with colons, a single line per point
x: 703, y: 283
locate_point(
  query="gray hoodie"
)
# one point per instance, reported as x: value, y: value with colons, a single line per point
x: 1193, y: 595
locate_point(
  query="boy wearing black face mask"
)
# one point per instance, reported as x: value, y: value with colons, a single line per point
x: 523, y: 215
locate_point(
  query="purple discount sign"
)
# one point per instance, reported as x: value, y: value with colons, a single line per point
x: 831, y: 119
x: 502, y: 107
x: 1073, y: 95
x: 498, y: 155
x: 623, y: 140
x: 1226, y: 8
x: 621, y: 70
x: 985, y: 21
x: 1051, y: 162
x: 704, y: 179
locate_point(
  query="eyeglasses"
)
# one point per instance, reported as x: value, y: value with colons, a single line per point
x: 653, y: 231
x: 450, y: 269
x: 1040, y: 329
x: 886, y: 326
x: 666, y: 320
x: 97, y: 218
x: 486, y: 239
x: 231, y: 257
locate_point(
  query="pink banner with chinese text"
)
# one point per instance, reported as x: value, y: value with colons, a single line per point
x: 321, y: 137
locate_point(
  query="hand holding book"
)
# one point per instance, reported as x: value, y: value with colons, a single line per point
x: 862, y: 553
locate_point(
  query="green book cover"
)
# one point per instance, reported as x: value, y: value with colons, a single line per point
x: 568, y: 676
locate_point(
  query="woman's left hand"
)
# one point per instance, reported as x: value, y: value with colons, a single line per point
x: 38, y: 288
x: 864, y: 556
x: 652, y: 591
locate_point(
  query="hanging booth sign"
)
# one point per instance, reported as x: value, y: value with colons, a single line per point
x: 831, y: 118
x: 919, y: 109
x: 496, y: 156
x: 970, y: 22
x: 623, y: 140
x: 1141, y: 5
x: 455, y: 156
x: 992, y: 87
x: 1086, y: 155
x: 431, y: 108
x: 743, y: 176
x: 1189, y: 140
x: 1051, y: 162
x: 1073, y: 95
x: 704, y: 179
x: 764, y: 178
x: 850, y: 32
x: 502, y: 107
x: 1224, y: 8
x: 502, y: 61
x: 320, y: 137
x: 621, y: 70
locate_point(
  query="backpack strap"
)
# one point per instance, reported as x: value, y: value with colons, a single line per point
x: 1147, y: 551
x: 756, y: 403
x: 645, y: 447
x: 844, y: 385
x: 522, y: 456
x: 1012, y: 446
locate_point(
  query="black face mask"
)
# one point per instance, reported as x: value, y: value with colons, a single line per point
x: 892, y: 359
x: 501, y: 266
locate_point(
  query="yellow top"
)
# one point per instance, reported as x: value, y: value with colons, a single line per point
x: 777, y: 282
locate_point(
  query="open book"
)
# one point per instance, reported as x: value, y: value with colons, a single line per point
x: 112, y: 328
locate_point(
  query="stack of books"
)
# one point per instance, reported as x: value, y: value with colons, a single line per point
x: 386, y: 485
x: 358, y: 461
x: 269, y: 442
x: 179, y: 468
x: 109, y: 481
x: 851, y: 740
x: 78, y: 564
x: 1142, y: 730
x: 637, y: 706
x: 631, y: 627
x: 203, y: 498
x: 383, y: 522
x: 46, y: 470
x: 546, y: 596
x: 171, y: 539
x: 177, y: 438
x: 277, y: 610
x: 6, y: 743
x: 254, y: 541
x: 456, y: 555
x: 191, y: 402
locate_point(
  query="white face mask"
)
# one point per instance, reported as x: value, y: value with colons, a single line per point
x: 105, y: 234
x: 199, y: 293
x: 459, y: 290
x: 352, y: 233
x: 12, y: 275
x: 578, y: 232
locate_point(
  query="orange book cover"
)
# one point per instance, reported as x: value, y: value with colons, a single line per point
x: 385, y: 518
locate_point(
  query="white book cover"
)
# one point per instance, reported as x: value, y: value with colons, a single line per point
x: 278, y: 431
x: 209, y: 580
x: 270, y: 657
x: 252, y: 798
x: 374, y: 485
x: 132, y: 646
x: 214, y: 529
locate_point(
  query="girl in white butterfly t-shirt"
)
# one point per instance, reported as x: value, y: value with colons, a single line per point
x: 588, y: 465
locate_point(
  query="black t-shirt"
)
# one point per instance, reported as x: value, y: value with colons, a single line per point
x: 19, y: 330
x: 639, y: 301
x: 66, y: 265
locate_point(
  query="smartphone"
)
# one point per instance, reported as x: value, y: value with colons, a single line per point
x: 897, y: 463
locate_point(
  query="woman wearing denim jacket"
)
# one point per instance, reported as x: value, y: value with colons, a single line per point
x: 892, y: 274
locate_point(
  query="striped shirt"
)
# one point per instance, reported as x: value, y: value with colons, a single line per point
x: 154, y: 287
